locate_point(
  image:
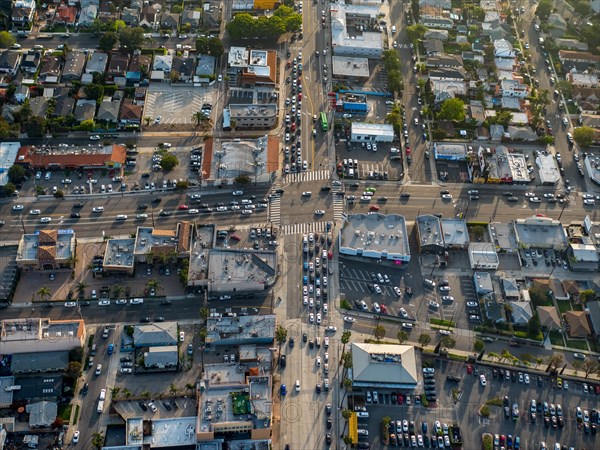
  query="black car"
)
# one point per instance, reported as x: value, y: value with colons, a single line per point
x: 326, y: 188
x: 329, y: 424
x: 174, y: 404
x: 328, y: 439
x: 167, y: 406
x: 126, y: 359
x: 47, y: 305
x: 164, y: 214
x: 143, y: 406
x: 156, y: 200
x: 283, y: 361
x: 291, y: 342
x: 328, y: 409
x: 75, y: 215
x: 304, y: 337
x: 166, y: 302
x: 159, y: 319
x: 143, y: 206
x: 145, y: 320
x: 318, y: 388
x: 78, y: 205
x: 405, y: 195
x: 85, y: 389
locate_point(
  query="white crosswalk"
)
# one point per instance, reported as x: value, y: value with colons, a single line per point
x: 275, y: 209
x: 307, y: 176
x: 338, y: 203
x: 304, y: 228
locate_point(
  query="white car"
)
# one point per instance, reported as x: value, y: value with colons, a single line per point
x: 98, y: 209
x: 104, y: 303
x: 311, y: 318
x: 237, y: 193
x: 319, y: 212
x: 377, y: 288
x: 349, y: 319
x: 35, y: 212
x: 446, y: 196
x: 76, y: 437
x: 181, y: 336
x: 407, y: 325
x: 46, y: 220
x: 70, y: 304
x: 482, y: 380
x: 246, y: 212
x: 433, y: 304
x: 445, y: 332
x: 403, y: 313
x: 397, y: 291
x: 306, y: 194
x: 17, y: 208
x: 121, y: 217
x: 535, y: 200
x: 376, y: 307
x: 94, y: 137
x: 330, y: 329
x: 318, y: 318
x: 589, y: 201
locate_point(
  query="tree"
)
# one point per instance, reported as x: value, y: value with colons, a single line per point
x: 117, y: 290
x: 589, y: 366
x: 577, y: 365
x: 204, y: 313
x: 503, y: 117
x: 452, y: 109
x: 176, y: 9
x: 534, y: 326
x: 202, y: 45
x: 539, y: 297
x: 293, y: 23
x: 5, y: 129
x: 402, y: 336
x: 584, y: 136
x: 346, y: 414
x: 242, y: 179
x: 241, y: 25
x: 346, y: 335
x: 6, y: 39
x: 108, y: 41
x: 58, y: 423
x: 169, y: 162
x: 280, y: 335
x: 131, y: 38
x: 44, y: 292
x: 73, y: 369
x: 59, y: 194
x: 379, y: 332
x: 584, y: 296
x: 415, y: 32
x: 35, y: 127
x: 347, y: 360
x: 98, y: 440
x: 94, y: 91
x: 554, y: 361
x: 9, y: 189
x: 544, y: 9
x: 424, y: 339
x: 16, y: 174
x: 81, y: 289
x: 174, y: 76
x: 448, y: 342
x: 198, y: 117
x: 478, y: 345
x: 153, y: 283
x: 118, y: 25
x: 215, y: 47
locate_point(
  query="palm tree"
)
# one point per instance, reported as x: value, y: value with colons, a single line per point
x: 494, y: 355
x: 346, y: 335
x: 81, y: 288
x: 280, y: 335
x: 115, y: 391
x: 198, y: 117
x: 117, y: 290
x: 150, y: 257
x: 173, y: 389
x: 72, y: 261
x: 98, y: 440
x: 153, y: 283
x: 44, y: 292
x: 126, y: 392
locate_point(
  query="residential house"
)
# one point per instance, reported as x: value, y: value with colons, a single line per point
x: 577, y: 324
x: 39, y: 106
x: 504, y: 49
x: 64, y: 106
x: 96, y: 63
x: 21, y: 93
x: 441, y: 35
x: 8, y: 112
x: 211, y: 14
x: 433, y: 47
x: 9, y: 62
x: 131, y: 16
x: 85, y: 110
x: 445, y: 89
x: 65, y: 14
x: 549, y: 318
x: 169, y: 21
x: 586, y: 80
x: 161, y: 67
x: 569, y: 57
x: 107, y: 12
x: 73, y: 68
x: 478, y: 48
x: 87, y: 15
x: 477, y: 112
x: 557, y: 25
x: 587, y: 99
x: 496, y: 132
x: 452, y: 61
x: 192, y: 18
x: 131, y: 114
x: 23, y: 12
x: 571, y: 44
x: 442, y: 22
x: 50, y: 71
x: 117, y: 68
x: 513, y: 88
x: 109, y: 111
x: 139, y: 68
x: 149, y: 17
x: 184, y: 67
x: 447, y: 74
x: 521, y: 133
x: 522, y: 312
x: 139, y: 96
x: 30, y: 62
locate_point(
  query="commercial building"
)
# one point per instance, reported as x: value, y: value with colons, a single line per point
x: 159, y: 334
x: 8, y: 156
x: 93, y: 157
x: 376, y: 236
x: 159, y: 433
x: 241, y: 330
x: 350, y: 68
x: 429, y: 234
x: 351, y: 103
x: 483, y: 256
x: 252, y: 68
x: 46, y: 250
x: 583, y: 257
x: 243, y: 270
x: 383, y: 366
x: 153, y: 243
x: 161, y: 357
x: 450, y: 151
x: 371, y: 132
x: 40, y: 335
x: 256, y: 116
x: 354, y: 32
x: 540, y: 232
x: 119, y: 256
x: 548, y: 169
x: 483, y: 284
x: 455, y: 233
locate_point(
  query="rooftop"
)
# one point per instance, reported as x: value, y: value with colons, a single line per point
x: 241, y: 270
x: 35, y: 329
x: 44, y: 244
x: 430, y: 230
x: 483, y: 283
x: 241, y: 330
x: 547, y: 168
x: 255, y: 110
x: 119, y: 253
x: 344, y: 66
x: 450, y: 151
x: 238, y: 57
x: 154, y: 240
x: 234, y: 157
x: 379, y: 129
x: 382, y: 365
x: 74, y: 156
x: 8, y: 156
x: 455, y: 232
x: 161, y: 433
x: 542, y: 232
x: 375, y: 236
x: 155, y: 334
x: 199, y: 254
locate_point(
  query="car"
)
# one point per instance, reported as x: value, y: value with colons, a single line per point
x: 579, y: 356
x: 98, y: 209
x: 433, y: 304
x: 306, y: 194
x: 444, y: 288
x: 76, y: 437
x: 104, y: 303
x: 330, y: 329
x: 446, y: 196
x: 45, y: 220
x: 445, y: 332
x: 482, y: 380
x: 121, y: 217
x: 319, y: 212
x: 33, y: 212
x: 407, y: 325
x: 349, y: 319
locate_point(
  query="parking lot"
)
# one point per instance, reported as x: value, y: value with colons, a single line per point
x: 471, y: 395
x: 368, y: 164
x: 175, y: 105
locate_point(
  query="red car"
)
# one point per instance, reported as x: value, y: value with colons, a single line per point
x: 407, y: 151
x: 400, y: 399
x: 184, y: 207
x: 374, y: 208
x: 469, y: 369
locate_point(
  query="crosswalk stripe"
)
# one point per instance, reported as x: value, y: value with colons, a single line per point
x: 315, y: 175
x: 275, y: 210
x: 304, y: 228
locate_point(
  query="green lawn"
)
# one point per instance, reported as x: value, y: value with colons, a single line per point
x: 564, y: 306
x: 556, y: 338
x: 64, y: 412
x: 579, y: 344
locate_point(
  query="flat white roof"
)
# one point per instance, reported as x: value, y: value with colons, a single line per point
x: 350, y: 67
x: 381, y: 129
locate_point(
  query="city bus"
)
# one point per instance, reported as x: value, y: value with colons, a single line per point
x: 324, y: 125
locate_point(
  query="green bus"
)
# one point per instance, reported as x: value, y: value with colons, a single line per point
x: 324, y: 125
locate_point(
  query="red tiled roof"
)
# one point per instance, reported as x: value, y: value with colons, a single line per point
x: 46, y: 253
x: 66, y: 13
x: 47, y: 237
x: 185, y: 230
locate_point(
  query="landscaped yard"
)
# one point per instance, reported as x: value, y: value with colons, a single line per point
x: 579, y: 344
x: 556, y: 338
x: 564, y: 306
x: 64, y: 412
